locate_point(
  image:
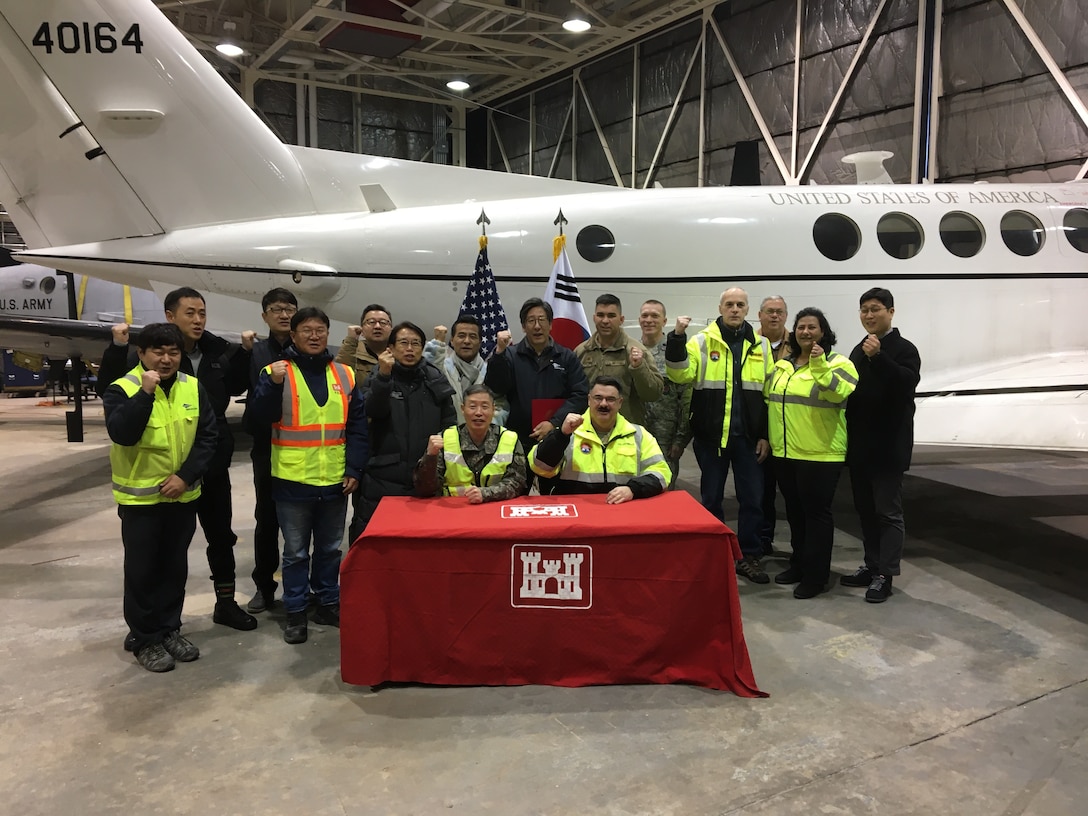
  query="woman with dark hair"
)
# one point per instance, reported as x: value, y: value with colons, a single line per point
x: 807, y: 394
x: 408, y: 400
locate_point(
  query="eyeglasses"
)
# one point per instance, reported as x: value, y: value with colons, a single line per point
x: 321, y: 332
x: 279, y: 310
x: 377, y: 321
x: 409, y: 344
x: 535, y: 321
x: 774, y: 311
x: 606, y: 400
x: 865, y: 310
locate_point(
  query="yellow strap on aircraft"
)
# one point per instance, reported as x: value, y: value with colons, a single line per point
x: 128, y: 303
x: 82, y: 296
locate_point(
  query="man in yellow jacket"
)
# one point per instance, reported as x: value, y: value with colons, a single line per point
x: 608, y: 455
x: 726, y: 364
x: 164, y: 433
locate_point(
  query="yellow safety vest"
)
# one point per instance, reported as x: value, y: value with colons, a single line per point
x: 139, y: 470
x: 308, y: 441
x: 459, y: 476
x: 807, y: 413
x: 709, y: 367
x: 631, y: 451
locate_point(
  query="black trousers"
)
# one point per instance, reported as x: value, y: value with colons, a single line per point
x: 156, y: 539
x: 878, y: 499
x: 266, y: 535
x: 214, y: 510
x: 809, y: 489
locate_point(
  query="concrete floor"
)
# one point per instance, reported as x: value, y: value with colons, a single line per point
x: 966, y: 693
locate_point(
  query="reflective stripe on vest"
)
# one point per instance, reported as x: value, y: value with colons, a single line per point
x: 139, y: 470
x: 717, y: 374
x: 308, y: 440
x: 608, y: 463
x: 802, y: 424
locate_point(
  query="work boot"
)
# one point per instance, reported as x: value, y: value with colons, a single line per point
x: 155, y: 658
x: 328, y: 615
x: 228, y: 613
x: 861, y: 577
x: 261, y: 601
x: 751, y: 569
x: 295, y: 632
x: 880, y: 589
x: 180, y: 647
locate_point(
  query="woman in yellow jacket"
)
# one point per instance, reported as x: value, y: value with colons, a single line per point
x: 806, y: 394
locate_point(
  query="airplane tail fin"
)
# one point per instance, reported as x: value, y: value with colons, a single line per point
x: 112, y: 125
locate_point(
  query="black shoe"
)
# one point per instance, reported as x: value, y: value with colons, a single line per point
x: 228, y: 613
x: 791, y: 575
x: 806, y: 590
x: 295, y: 632
x: 180, y: 648
x: 328, y: 615
x: 262, y: 601
x: 861, y: 577
x: 130, y: 642
x: 751, y: 569
x: 880, y: 589
x: 155, y: 658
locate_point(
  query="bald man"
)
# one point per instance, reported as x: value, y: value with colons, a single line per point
x: 726, y: 364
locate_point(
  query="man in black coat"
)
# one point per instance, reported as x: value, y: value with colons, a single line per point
x: 880, y: 434
x: 222, y: 368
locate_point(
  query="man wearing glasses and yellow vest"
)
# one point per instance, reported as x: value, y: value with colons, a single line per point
x: 319, y: 450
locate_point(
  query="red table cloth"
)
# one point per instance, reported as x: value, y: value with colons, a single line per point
x: 557, y: 590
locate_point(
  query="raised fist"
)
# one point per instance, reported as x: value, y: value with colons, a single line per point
x: 248, y: 337
x: 435, y: 444
x: 635, y: 355
x: 149, y: 381
x: 386, y: 360
x: 682, y: 324
x: 502, y: 340
x: 120, y: 333
x: 440, y: 333
x: 571, y: 423
x: 817, y: 350
x: 356, y: 331
x: 279, y: 371
x: 871, y: 345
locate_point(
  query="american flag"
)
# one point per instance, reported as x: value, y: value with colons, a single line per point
x: 482, y: 301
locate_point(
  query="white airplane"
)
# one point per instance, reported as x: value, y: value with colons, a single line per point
x: 123, y: 155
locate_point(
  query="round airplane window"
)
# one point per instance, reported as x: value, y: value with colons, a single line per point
x: 1075, y: 224
x: 1022, y: 232
x: 596, y: 243
x: 900, y: 235
x: 962, y: 234
x: 47, y: 285
x: 836, y: 236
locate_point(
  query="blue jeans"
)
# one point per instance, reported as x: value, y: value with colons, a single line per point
x: 321, y: 520
x: 714, y: 463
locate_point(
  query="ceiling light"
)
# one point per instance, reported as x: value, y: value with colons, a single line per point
x: 229, y: 49
x: 458, y: 85
x: 576, y: 25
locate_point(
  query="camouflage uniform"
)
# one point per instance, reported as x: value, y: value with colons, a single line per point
x: 430, y: 473
x: 669, y: 418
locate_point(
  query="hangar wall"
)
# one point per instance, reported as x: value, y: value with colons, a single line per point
x: 673, y: 107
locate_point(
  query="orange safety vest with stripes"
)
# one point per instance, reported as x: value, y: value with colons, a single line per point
x: 308, y: 441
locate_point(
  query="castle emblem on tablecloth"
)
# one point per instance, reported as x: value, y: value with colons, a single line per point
x: 551, y: 575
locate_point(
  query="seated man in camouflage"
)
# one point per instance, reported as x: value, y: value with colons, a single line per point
x: 479, y: 459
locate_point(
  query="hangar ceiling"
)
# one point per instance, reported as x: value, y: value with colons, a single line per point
x: 410, y: 49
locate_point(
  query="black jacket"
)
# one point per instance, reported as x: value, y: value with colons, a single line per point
x: 880, y: 412
x: 224, y: 372
x: 521, y: 376
x: 405, y: 409
x: 265, y: 352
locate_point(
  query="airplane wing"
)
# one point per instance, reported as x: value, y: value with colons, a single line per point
x: 55, y: 337
x: 1036, y: 402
